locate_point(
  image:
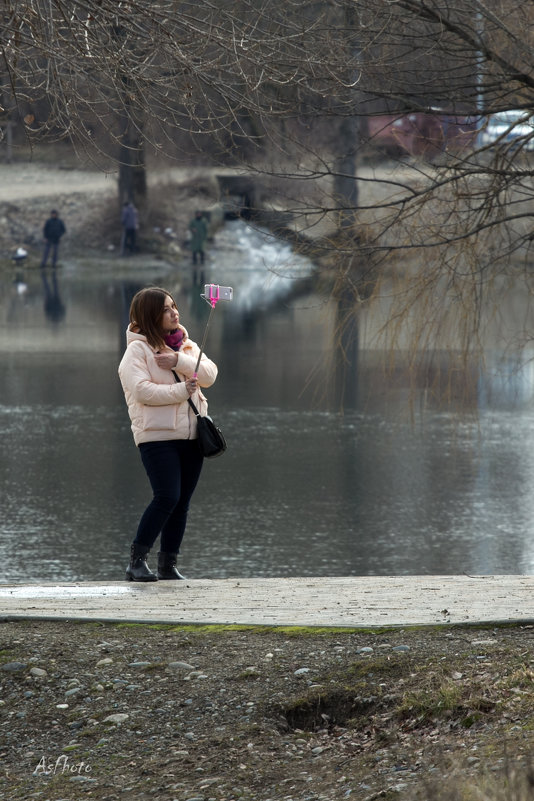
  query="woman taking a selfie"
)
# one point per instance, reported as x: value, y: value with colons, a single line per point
x: 163, y: 423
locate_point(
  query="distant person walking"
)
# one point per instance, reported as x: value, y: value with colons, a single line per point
x: 130, y: 224
x: 199, y: 233
x: 53, y: 230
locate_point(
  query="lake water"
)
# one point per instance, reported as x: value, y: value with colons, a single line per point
x: 325, y: 474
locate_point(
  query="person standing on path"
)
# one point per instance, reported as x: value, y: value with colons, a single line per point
x: 130, y: 224
x: 53, y: 230
x: 163, y: 424
x: 199, y: 234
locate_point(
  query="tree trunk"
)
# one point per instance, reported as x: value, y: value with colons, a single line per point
x: 345, y: 182
x: 132, y: 168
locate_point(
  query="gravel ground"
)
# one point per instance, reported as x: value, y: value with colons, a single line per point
x: 104, y: 711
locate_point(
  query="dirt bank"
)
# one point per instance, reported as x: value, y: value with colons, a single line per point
x: 88, y: 203
x: 109, y: 712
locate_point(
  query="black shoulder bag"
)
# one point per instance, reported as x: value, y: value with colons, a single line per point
x: 210, y: 440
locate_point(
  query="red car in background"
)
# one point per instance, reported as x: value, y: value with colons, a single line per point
x: 422, y: 135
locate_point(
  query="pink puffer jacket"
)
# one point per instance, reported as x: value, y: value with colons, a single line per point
x: 157, y: 403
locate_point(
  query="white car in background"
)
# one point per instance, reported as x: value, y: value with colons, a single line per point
x: 509, y: 127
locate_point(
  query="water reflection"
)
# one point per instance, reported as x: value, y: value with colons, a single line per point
x: 53, y: 305
x: 398, y: 484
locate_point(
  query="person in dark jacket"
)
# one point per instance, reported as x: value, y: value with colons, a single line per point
x: 199, y: 233
x: 53, y: 230
x: 130, y: 224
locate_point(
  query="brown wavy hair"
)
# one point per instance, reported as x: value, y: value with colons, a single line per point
x: 146, y: 314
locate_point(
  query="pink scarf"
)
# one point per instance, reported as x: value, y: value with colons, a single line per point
x: 174, y: 339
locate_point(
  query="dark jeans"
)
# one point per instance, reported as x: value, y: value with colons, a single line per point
x: 173, y: 468
x: 50, y: 246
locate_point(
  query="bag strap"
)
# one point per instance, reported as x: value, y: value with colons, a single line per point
x: 190, y: 402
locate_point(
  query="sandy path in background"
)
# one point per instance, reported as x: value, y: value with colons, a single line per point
x: 22, y: 181
x: 27, y: 180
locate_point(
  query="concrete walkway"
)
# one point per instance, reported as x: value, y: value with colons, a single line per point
x: 349, y: 602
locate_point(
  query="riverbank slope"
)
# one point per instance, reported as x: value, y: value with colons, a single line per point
x: 106, y: 712
x: 88, y: 203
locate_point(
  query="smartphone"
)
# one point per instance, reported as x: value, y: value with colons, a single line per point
x: 216, y: 292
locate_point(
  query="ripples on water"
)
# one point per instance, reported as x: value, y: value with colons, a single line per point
x: 300, y: 491
x: 296, y: 494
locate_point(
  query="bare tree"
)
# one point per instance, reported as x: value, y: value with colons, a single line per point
x: 288, y: 89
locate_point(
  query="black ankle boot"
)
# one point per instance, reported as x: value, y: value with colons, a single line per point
x: 138, y: 570
x: 167, y: 566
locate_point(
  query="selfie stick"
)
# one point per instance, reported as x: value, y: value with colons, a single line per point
x: 212, y: 294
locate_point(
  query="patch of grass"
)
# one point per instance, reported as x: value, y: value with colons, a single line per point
x: 311, y: 631
x: 391, y: 690
x: 6, y: 655
x: 188, y: 628
x: 522, y: 678
x: 514, y: 783
x: 382, y: 666
x: 288, y: 631
x: 249, y: 673
x: 427, y: 704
